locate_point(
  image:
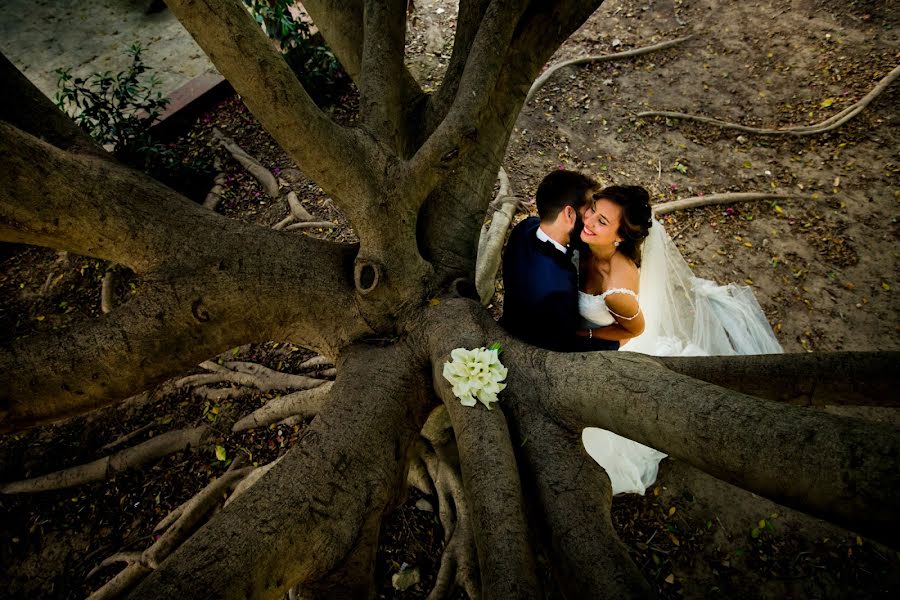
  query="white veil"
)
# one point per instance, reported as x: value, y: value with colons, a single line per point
x: 689, y: 316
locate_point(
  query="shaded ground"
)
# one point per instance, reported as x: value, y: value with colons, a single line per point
x: 825, y: 271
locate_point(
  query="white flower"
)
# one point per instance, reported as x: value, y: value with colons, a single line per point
x: 476, y: 375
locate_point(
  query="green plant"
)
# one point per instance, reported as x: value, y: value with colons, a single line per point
x: 119, y: 110
x: 315, y: 65
x: 116, y: 110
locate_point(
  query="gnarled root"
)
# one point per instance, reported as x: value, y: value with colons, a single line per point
x: 247, y: 374
x: 178, y: 526
x: 302, y: 405
x: 713, y: 199
x: 459, y: 563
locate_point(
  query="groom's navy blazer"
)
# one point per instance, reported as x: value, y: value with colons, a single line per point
x: 540, y: 302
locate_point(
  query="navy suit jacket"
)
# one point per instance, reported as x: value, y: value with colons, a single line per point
x: 540, y: 302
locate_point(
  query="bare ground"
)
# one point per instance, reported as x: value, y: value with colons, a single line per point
x: 824, y: 270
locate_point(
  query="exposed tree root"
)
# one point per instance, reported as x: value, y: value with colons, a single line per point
x: 246, y: 374
x: 459, y: 563
x: 104, y: 468
x: 836, y: 378
x: 711, y: 199
x: 491, y: 479
x: 214, y: 196
x: 490, y: 244
x: 311, y: 225
x: 107, y: 287
x: 178, y: 526
x: 304, y: 404
x: 315, y: 362
x: 299, y: 217
x: 253, y: 166
x: 822, y: 127
x: 540, y: 81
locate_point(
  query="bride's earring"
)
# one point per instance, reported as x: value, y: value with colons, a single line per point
x: 616, y: 244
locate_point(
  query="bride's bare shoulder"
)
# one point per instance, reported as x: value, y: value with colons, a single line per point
x: 623, y: 272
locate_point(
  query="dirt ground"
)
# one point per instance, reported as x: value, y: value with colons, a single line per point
x: 822, y: 264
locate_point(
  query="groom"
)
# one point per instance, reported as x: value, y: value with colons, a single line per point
x: 540, y: 279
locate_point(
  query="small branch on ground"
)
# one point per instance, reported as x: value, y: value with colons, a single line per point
x: 666, y: 208
x: 104, y: 468
x: 545, y: 76
x: 822, y: 127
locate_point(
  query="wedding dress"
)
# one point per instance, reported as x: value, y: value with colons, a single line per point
x: 684, y: 315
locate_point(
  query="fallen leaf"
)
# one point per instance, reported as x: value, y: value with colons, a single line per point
x: 220, y: 452
x: 670, y: 579
x: 827, y: 102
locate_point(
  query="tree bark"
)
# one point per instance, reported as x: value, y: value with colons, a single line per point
x: 838, y: 378
x: 300, y: 520
x: 840, y: 469
x: 491, y: 481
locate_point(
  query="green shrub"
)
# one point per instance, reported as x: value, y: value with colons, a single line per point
x: 315, y: 65
x: 118, y: 112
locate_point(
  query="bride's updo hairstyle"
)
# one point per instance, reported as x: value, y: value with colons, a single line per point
x: 634, y: 226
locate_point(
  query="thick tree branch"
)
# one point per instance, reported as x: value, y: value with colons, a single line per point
x: 574, y: 497
x: 469, y: 17
x: 86, y: 205
x: 459, y: 129
x: 270, y: 89
x: 835, y: 378
x: 380, y: 81
x: 293, y: 289
x: 341, y: 24
x: 491, y: 480
x: 451, y: 218
x: 841, y: 469
x: 299, y: 521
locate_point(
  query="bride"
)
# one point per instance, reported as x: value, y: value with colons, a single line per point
x: 637, y: 290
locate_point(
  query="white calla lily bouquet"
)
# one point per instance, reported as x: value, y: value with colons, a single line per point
x: 476, y: 375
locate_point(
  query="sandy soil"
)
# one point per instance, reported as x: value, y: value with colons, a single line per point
x: 824, y: 269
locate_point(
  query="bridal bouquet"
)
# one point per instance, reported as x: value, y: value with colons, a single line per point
x: 476, y: 375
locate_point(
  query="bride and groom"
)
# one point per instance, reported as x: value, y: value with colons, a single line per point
x: 595, y: 271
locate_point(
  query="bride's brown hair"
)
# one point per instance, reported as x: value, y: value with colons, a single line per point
x: 635, y: 223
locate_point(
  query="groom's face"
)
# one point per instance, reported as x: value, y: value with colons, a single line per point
x: 579, y: 223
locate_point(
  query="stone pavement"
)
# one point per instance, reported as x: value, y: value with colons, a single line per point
x: 39, y: 36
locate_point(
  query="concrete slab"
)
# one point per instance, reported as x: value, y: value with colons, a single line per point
x: 39, y: 36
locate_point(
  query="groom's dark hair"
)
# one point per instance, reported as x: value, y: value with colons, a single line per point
x: 562, y: 188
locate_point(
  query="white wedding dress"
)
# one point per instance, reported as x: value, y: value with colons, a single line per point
x: 684, y: 315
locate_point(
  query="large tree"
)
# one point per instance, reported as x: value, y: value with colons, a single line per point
x: 415, y: 178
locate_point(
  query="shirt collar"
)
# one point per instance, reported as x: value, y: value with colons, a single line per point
x: 546, y: 238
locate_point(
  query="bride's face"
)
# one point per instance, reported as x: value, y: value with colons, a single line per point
x: 601, y: 223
